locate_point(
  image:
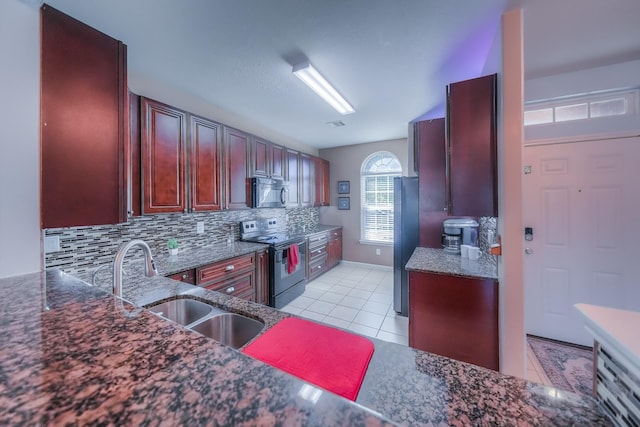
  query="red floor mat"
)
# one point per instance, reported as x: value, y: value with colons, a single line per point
x: 321, y: 355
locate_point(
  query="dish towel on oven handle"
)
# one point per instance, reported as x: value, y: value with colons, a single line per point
x: 293, y: 259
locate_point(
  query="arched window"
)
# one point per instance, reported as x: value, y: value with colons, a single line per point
x: 377, y: 174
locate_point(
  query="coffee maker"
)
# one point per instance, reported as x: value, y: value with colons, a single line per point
x: 459, y: 231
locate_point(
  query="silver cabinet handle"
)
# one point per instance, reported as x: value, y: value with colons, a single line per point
x: 184, y: 276
x: 230, y: 289
x: 230, y: 268
x: 528, y: 251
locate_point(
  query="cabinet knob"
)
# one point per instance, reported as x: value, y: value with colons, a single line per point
x: 193, y: 209
x: 185, y: 210
x: 184, y: 276
x: 230, y: 268
x: 230, y: 289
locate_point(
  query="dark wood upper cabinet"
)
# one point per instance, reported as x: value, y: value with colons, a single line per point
x: 135, y: 162
x: 267, y: 158
x: 163, y: 157
x: 260, y: 157
x: 306, y: 180
x: 84, y: 124
x: 322, y: 190
x: 472, y: 147
x: 429, y: 140
x: 292, y: 174
x: 236, y: 173
x: 205, y: 158
x: 278, y: 161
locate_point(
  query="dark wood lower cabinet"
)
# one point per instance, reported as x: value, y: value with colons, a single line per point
x: 262, y: 277
x: 324, y: 251
x: 187, y: 276
x: 234, y: 276
x: 456, y: 317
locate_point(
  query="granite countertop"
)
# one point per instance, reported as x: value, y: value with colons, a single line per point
x: 72, y: 355
x: 429, y: 260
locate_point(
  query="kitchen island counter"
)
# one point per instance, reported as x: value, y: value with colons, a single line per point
x: 72, y: 355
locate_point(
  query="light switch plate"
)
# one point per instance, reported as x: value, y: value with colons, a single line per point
x: 200, y: 227
x: 51, y: 244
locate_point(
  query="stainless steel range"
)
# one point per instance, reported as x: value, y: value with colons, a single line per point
x: 287, y: 259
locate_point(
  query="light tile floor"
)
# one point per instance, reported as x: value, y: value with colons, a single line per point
x: 359, y: 298
x: 356, y: 297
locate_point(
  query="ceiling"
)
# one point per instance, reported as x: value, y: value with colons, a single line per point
x: 390, y: 59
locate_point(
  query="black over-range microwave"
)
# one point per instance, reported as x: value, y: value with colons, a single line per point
x: 268, y: 193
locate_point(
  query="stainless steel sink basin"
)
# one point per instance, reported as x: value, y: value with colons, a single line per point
x: 183, y: 311
x: 230, y: 329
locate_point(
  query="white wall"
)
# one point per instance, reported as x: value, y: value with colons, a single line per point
x: 19, y: 143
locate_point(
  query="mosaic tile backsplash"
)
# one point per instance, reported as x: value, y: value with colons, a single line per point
x: 83, y: 248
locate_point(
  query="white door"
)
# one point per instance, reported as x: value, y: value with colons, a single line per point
x: 582, y: 201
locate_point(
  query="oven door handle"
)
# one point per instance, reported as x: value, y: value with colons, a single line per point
x: 283, y: 192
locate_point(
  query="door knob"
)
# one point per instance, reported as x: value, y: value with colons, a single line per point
x: 528, y: 251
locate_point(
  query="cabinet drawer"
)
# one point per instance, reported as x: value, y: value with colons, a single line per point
x: 187, y: 276
x: 240, y: 286
x: 319, y: 239
x: 223, y: 269
x: 317, y: 266
x: 317, y: 253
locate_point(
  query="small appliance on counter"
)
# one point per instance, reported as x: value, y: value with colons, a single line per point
x: 459, y: 231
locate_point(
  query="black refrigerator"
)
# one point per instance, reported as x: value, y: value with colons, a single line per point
x: 406, y: 231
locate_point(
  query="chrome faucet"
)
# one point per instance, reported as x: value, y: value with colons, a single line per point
x: 149, y: 267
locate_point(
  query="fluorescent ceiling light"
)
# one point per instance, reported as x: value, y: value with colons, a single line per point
x: 312, y: 78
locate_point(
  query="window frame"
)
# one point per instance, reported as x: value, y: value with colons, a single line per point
x: 365, y: 207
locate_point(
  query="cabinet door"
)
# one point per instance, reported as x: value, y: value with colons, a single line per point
x: 84, y: 124
x: 335, y: 247
x: 292, y: 178
x: 205, y: 149
x: 163, y: 146
x: 306, y: 180
x: 456, y: 317
x: 432, y: 199
x: 262, y: 277
x: 278, y: 161
x: 260, y: 157
x: 472, y: 146
x: 237, y: 151
x: 135, y: 204
x: 321, y: 175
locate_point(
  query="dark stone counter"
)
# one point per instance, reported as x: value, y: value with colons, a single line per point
x: 429, y: 260
x: 71, y: 354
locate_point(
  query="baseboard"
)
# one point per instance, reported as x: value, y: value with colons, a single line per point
x: 366, y: 265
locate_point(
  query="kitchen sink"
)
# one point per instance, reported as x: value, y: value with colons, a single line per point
x: 230, y: 329
x: 183, y: 311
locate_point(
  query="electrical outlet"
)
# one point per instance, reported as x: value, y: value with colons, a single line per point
x: 377, y: 251
x: 200, y: 227
x: 51, y: 244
